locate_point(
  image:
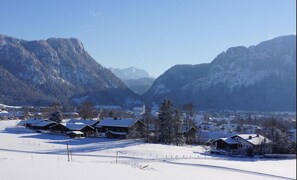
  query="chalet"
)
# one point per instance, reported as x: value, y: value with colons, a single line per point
x: 75, y: 134
x: 29, y: 122
x: 43, y: 125
x: 85, y: 129
x: 58, y: 128
x: 242, y: 143
x: 191, y: 135
x: 121, y: 128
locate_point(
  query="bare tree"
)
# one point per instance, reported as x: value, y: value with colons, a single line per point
x: 87, y: 110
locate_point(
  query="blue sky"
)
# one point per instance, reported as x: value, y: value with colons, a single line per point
x: 150, y: 34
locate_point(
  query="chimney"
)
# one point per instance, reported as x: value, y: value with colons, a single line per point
x: 257, y: 135
x: 250, y: 137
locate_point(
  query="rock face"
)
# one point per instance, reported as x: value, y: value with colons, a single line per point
x: 56, y: 70
x: 258, y: 78
x: 138, y: 80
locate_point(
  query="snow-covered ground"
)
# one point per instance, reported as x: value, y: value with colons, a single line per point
x: 28, y: 155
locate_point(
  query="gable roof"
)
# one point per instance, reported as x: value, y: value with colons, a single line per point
x: 86, y: 122
x: 44, y: 123
x: 75, y: 132
x: 76, y: 126
x: 29, y: 121
x: 230, y: 140
x: 127, y: 122
x: 255, y: 139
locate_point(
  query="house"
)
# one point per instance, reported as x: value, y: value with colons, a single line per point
x: 244, y: 144
x: 58, y: 128
x: 121, y: 128
x: 85, y: 129
x: 29, y: 122
x: 75, y: 134
x: 191, y: 135
x: 43, y: 125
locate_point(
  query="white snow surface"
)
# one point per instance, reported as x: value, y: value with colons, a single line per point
x: 25, y: 154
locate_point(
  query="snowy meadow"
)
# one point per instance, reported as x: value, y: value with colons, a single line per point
x: 25, y: 154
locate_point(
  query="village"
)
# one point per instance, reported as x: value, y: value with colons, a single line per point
x: 238, y: 134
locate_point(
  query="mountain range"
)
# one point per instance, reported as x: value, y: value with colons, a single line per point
x: 56, y: 70
x: 256, y: 78
x: 138, y: 80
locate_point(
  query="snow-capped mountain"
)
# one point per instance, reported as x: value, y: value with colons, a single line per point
x: 129, y: 73
x: 56, y: 70
x: 261, y: 77
x: 138, y: 80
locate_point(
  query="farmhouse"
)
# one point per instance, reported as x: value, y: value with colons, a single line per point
x: 121, y: 128
x: 58, y: 128
x: 87, y: 130
x: 29, y: 122
x: 243, y: 144
x: 43, y: 125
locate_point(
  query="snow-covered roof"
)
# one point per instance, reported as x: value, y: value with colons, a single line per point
x: 44, y: 123
x: 75, y: 132
x: 86, y: 122
x: 29, y: 121
x: 76, y: 126
x: 254, y: 138
x: 126, y: 122
x: 229, y: 140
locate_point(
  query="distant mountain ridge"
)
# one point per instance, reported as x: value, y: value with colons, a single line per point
x: 56, y: 70
x: 130, y: 73
x: 261, y: 77
x: 138, y: 80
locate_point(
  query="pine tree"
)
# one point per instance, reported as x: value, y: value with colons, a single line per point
x: 170, y: 124
x: 56, y: 116
x: 164, y: 117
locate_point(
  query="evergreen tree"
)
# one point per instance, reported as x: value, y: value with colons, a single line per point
x: 56, y: 116
x: 165, y: 117
x: 170, y: 124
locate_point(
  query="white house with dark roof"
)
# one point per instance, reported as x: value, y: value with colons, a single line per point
x: 241, y: 143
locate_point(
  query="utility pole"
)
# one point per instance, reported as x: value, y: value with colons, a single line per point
x: 68, y: 152
x: 117, y: 156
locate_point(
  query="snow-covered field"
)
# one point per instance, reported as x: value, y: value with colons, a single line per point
x: 28, y: 155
